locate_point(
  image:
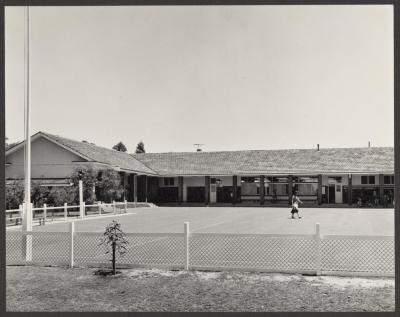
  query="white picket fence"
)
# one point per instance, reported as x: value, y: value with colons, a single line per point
x: 309, y: 254
x: 51, y: 213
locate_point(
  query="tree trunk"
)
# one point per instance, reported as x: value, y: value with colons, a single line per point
x: 113, y: 257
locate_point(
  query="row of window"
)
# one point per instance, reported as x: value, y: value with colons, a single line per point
x: 365, y: 180
x: 305, y: 189
x: 371, y: 180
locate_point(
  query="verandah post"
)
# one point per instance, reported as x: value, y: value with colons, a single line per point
x: 135, y: 189
x: 125, y: 206
x: 318, y: 249
x: 71, y: 243
x: 114, y: 209
x: 187, y: 233
x: 99, y: 206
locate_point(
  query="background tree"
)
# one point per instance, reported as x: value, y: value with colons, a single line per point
x: 140, y: 148
x: 120, y: 147
x: 109, y: 186
x: 114, y: 241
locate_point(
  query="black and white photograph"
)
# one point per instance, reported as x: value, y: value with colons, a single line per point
x: 199, y: 158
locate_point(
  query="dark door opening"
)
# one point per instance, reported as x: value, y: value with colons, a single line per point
x: 167, y: 195
x: 195, y: 195
x: 225, y: 194
x: 331, y: 194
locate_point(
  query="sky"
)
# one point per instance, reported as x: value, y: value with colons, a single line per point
x: 228, y: 77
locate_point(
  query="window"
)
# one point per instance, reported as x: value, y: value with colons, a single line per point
x: 169, y: 181
x: 337, y: 179
x: 250, y: 180
x: 371, y: 179
x: 279, y: 189
x: 306, y: 189
x: 305, y: 179
x: 276, y: 179
x: 365, y: 180
x: 250, y: 185
x: 388, y: 180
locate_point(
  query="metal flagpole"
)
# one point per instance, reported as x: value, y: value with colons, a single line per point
x: 27, y: 216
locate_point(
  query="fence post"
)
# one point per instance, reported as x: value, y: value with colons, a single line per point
x: 99, y: 204
x: 19, y: 215
x: 114, y: 209
x: 27, y: 232
x: 81, y: 206
x: 65, y: 210
x: 44, y: 213
x: 125, y: 206
x: 71, y: 245
x: 318, y: 248
x: 83, y: 210
x: 187, y: 233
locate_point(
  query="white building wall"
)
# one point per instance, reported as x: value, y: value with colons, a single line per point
x: 48, y: 161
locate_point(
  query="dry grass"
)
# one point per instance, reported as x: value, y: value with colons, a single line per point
x: 59, y: 289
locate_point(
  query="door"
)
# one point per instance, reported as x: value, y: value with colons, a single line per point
x: 195, y: 194
x: 331, y: 194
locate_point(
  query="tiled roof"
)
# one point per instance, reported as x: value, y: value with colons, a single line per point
x: 251, y: 162
x: 301, y: 161
x: 103, y: 155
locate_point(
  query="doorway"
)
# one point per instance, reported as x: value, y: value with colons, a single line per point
x: 331, y: 194
x: 195, y: 194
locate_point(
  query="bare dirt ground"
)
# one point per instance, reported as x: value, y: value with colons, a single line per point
x: 31, y: 288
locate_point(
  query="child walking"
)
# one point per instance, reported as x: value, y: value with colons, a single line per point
x: 295, y: 205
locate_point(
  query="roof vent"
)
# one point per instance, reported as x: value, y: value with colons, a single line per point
x: 198, y: 147
x: 369, y: 144
x: 317, y: 147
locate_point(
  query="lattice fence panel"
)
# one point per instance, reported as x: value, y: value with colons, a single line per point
x: 253, y: 252
x: 50, y: 248
x: 143, y: 249
x: 14, y: 247
x: 358, y: 254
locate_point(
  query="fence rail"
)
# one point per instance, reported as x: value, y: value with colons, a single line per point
x: 313, y: 254
x: 41, y: 215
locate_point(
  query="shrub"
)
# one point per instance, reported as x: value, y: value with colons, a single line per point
x: 14, y: 194
x: 109, y: 186
x: 60, y: 195
x: 39, y: 193
x: 88, y: 175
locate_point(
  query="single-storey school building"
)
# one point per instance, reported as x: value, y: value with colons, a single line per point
x: 331, y: 176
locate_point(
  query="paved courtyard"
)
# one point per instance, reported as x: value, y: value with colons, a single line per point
x: 343, y: 221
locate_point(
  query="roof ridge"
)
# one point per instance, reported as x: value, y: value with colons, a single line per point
x: 88, y: 143
x: 144, y: 163
x: 266, y: 150
x: 53, y: 136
